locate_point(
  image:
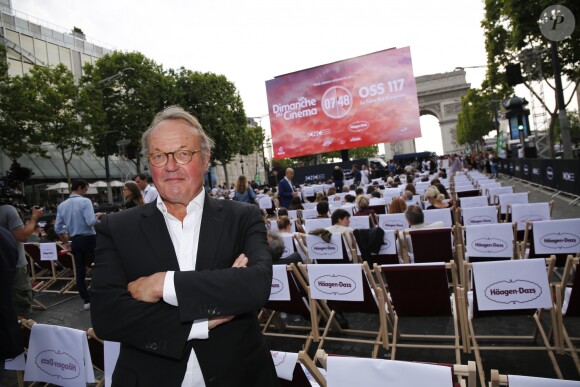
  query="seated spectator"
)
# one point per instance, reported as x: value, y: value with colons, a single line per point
x: 345, y: 189
x: 371, y: 189
x: 340, y: 221
x: 277, y: 247
x: 411, y: 187
x: 331, y: 191
x: 282, y: 212
x: 441, y: 188
x: 359, y: 191
x: 435, y: 199
x: 363, y: 207
x: 349, y: 199
x: 435, y: 181
x: 416, y: 218
x: 322, y: 209
x: 397, y: 206
x: 36, y: 236
x: 284, y: 225
x: 296, y: 204
x: 319, y: 196
x: 407, y: 196
x: 377, y: 194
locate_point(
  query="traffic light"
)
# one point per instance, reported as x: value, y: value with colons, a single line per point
x: 517, y: 116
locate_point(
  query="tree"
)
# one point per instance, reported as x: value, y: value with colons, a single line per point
x: 510, y: 28
x: 362, y: 152
x: 574, y: 127
x: 476, y: 119
x: 120, y: 95
x: 52, y: 111
x: 216, y: 103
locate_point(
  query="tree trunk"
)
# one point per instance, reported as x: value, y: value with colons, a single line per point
x: 224, y: 166
x: 66, y: 169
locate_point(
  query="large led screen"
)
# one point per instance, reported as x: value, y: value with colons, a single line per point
x: 356, y: 102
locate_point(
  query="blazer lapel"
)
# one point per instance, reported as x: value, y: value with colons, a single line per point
x: 209, y: 234
x: 156, y: 234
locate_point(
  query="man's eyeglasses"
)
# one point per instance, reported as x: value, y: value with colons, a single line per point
x: 181, y: 157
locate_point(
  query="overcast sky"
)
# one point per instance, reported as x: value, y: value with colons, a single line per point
x: 252, y: 41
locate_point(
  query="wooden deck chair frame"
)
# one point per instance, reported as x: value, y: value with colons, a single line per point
x: 98, y: 354
x: 298, y: 290
x: 429, y: 233
x: 466, y: 374
x: 25, y: 331
x: 407, y: 308
x: 67, y: 261
x: 43, y: 272
x: 536, y: 317
x: 564, y: 342
x: 369, y: 305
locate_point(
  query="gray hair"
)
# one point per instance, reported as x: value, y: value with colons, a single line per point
x: 277, y: 245
x: 177, y: 113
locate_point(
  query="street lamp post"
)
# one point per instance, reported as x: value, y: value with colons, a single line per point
x: 242, y: 165
x: 104, y: 82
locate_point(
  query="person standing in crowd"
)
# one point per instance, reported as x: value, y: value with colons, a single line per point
x: 181, y: 291
x: 132, y: 195
x: 456, y: 164
x: 364, y: 175
x: 338, y: 177
x: 356, y: 175
x: 286, y: 189
x: 75, y: 221
x: 149, y: 192
x: 11, y: 220
x: 10, y: 345
x: 244, y: 193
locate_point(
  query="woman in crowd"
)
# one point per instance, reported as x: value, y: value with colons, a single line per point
x: 363, y: 207
x: 296, y: 203
x: 411, y: 187
x: 132, y: 194
x: 397, y: 206
x: 244, y: 193
x: 364, y: 175
x: 435, y: 199
x: 441, y: 188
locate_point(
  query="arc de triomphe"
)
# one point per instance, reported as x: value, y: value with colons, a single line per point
x: 440, y: 96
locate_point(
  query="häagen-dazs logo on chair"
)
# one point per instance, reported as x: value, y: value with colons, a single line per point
x: 394, y: 225
x: 278, y: 357
x: 513, y: 291
x: 531, y: 218
x: 335, y: 284
x: 325, y: 248
x: 560, y: 240
x: 489, y: 245
x: 58, y: 364
x: 481, y: 219
x: 277, y: 286
x: 386, y: 245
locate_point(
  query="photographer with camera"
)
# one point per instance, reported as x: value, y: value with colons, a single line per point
x: 11, y: 220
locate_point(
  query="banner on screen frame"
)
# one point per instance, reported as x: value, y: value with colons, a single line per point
x: 352, y: 103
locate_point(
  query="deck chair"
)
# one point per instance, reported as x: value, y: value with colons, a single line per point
x: 389, y: 252
x: 511, y: 199
x: 429, y: 245
x: 498, y: 380
x: 353, y: 371
x: 441, y: 214
x: 307, y: 214
x: 568, y: 308
x: 361, y: 222
x: 485, y: 187
x: 340, y: 249
x: 25, y: 330
x: 473, y: 201
x: 548, y: 239
x: 97, y: 350
x: 378, y: 205
x: 291, y: 367
x: 311, y: 224
x: 422, y: 290
x: 490, y: 242
x: 472, y: 216
x: 298, y: 303
x: 465, y: 192
x: 43, y: 273
x: 393, y: 222
x: 334, y: 295
x: 68, y: 273
x: 494, y: 193
x: 265, y: 203
x: 499, y: 283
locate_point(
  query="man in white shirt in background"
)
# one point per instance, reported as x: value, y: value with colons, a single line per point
x: 149, y: 192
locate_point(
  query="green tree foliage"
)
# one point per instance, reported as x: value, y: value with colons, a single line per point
x: 362, y: 152
x: 120, y: 95
x: 216, y: 103
x: 510, y: 28
x: 574, y: 127
x: 51, y: 98
x: 476, y: 119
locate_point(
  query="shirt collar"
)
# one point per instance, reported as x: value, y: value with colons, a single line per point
x: 195, y: 204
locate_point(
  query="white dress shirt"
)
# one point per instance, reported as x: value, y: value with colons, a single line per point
x: 185, y: 238
x: 150, y: 194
